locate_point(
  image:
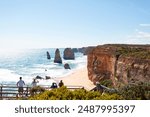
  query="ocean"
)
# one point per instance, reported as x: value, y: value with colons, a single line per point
x: 33, y: 62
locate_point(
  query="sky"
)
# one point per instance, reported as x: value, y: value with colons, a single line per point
x: 73, y: 23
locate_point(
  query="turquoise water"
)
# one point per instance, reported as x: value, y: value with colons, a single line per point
x: 30, y: 63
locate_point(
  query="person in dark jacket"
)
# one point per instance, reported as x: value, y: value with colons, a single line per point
x: 61, y: 83
x: 54, y: 85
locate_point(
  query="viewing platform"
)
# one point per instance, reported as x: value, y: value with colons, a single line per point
x: 10, y: 91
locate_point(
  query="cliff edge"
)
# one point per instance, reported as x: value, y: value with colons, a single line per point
x: 119, y: 64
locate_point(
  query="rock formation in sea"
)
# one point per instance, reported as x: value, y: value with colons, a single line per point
x: 86, y: 50
x: 57, y: 58
x: 67, y: 66
x: 122, y: 64
x: 47, y: 77
x: 68, y: 54
x: 39, y: 77
x: 75, y: 50
x: 48, y: 55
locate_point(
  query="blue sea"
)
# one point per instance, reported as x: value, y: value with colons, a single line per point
x: 33, y: 62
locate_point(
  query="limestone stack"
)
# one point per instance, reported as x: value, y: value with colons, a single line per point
x: 68, y: 54
x: 48, y: 55
x: 57, y: 58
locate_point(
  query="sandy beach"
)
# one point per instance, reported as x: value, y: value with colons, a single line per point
x: 78, y: 78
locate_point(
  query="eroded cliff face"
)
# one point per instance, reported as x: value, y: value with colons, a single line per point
x: 132, y: 70
x: 121, y: 67
x: 101, y: 64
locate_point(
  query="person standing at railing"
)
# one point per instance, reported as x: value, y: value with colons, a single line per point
x: 61, y: 83
x: 34, y: 83
x: 20, y: 85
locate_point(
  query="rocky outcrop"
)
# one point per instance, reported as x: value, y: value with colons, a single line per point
x: 68, y: 54
x: 75, y: 50
x: 100, y: 64
x: 57, y: 58
x: 132, y: 70
x: 39, y: 77
x: 67, y: 66
x: 47, y: 77
x: 81, y: 49
x: 48, y: 55
x: 86, y: 50
x: 122, y: 64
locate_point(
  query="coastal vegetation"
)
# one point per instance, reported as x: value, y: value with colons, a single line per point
x: 129, y: 92
x: 36, y: 90
x: 81, y: 94
x: 140, y: 91
x: 134, y: 52
x: 107, y: 83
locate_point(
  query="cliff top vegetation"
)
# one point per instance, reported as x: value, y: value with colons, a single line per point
x: 135, y: 51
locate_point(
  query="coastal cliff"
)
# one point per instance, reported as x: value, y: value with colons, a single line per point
x: 119, y: 64
x: 86, y: 50
x: 83, y: 50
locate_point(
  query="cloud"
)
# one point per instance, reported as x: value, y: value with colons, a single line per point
x: 145, y: 25
x: 143, y: 35
x: 140, y: 35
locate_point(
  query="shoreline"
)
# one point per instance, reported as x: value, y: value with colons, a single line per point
x: 79, y: 77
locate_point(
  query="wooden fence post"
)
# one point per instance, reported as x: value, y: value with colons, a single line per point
x: 27, y: 91
x: 1, y: 91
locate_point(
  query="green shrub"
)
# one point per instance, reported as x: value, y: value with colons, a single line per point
x: 107, y: 82
x: 134, y: 52
x: 36, y: 90
x: 64, y: 94
x: 107, y: 96
x: 135, y: 91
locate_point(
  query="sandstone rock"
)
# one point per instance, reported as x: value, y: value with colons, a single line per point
x: 81, y: 49
x: 68, y: 54
x: 86, y: 50
x: 138, y: 71
x: 39, y: 77
x: 47, y: 77
x: 75, y: 50
x: 123, y: 64
x: 57, y: 58
x: 67, y: 66
x: 48, y: 55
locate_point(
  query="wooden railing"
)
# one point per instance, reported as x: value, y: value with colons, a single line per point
x: 10, y: 92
